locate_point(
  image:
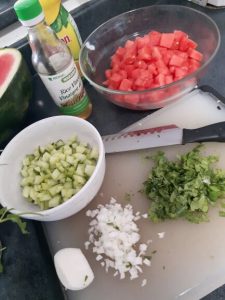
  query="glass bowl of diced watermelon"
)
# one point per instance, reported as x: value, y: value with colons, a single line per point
x: 149, y: 57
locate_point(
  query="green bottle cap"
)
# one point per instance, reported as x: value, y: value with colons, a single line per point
x: 27, y: 10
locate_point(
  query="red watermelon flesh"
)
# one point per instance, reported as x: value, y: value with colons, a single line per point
x: 6, y: 63
x: 151, y: 61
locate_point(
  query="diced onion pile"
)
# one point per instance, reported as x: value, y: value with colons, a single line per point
x: 56, y: 172
x: 114, y: 235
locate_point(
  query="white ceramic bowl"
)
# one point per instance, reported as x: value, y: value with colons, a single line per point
x: 41, y: 133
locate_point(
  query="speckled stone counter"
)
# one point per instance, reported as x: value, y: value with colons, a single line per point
x: 29, y: 271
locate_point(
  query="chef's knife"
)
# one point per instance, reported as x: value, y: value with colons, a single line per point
x: 162, y: 136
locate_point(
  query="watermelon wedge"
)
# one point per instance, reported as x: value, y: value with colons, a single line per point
x: 15, y: 91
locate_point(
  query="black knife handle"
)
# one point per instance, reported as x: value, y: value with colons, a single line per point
x: 210, y: 133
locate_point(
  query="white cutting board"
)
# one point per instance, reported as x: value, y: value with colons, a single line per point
x: 190, y: 259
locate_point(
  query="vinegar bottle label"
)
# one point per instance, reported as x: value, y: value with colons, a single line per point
x: 66, y: 89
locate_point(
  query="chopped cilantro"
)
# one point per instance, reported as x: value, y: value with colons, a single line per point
x: 222, y: 213
x: 113, y: 225
x: 185, y: 188
x: 127, y: 197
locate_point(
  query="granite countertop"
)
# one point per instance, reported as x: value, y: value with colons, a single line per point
x: 29, y: 270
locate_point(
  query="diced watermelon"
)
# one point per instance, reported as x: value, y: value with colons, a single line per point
x: 115, y: 79
x: 183, y: 44
x: 167, y: 40
x: 141, y: 64
x: 151, y: 61
x: 178, y: 35
x: 145, y: 53
x: 176, y: 61
x: 108, y: 73
x: 123, y: 73
x: 131, y: 99
x: 152, y: 69
x: 179, y: 73
x: 192, y: 44
x: 141, y: 42
x: 154, y: 38
x: 129, y: 44
x: 156, y: 53
x: 168, y: 79
x: 129, y: 69
x: 125, y: 85
x: 195, y: 54
x: 120, y: 52
x: 160, y: 79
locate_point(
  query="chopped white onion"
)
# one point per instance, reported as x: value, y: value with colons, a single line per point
x: 144, y: 282
x: 114, y: 235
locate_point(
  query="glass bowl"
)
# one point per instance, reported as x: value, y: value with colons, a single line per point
x: 102, y: 43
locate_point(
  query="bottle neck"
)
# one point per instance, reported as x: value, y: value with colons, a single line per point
x: 49, y: 54
x: 37, y: 27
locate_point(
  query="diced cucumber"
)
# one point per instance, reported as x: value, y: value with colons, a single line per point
x: 94, y: 153
x: 81, y: 157
x: 26, y: 191
x: 81, y: 149
x: 38, y: 179
x: 26, y: 161
x: 26, y: 181
x: 89, y: 169
x: 78, y: 180
x: 68, y: 185
x: 55, y: 201
x: 46, y: 156
x: 67, y: 193
x: 24, y: 172
x: 80, y: 169
x: 70, y: 159
x: 54, y: 173
x: 65, y: 164
x: 45, y: 196
x: 59, y: 144
x: 55, y: 189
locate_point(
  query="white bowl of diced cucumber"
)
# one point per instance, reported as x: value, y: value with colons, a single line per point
x: 52, y: 169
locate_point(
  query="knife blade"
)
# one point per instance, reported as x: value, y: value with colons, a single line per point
x: 162, y: 136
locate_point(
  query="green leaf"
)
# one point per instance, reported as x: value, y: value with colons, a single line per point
x: 1, y: 250
x: 6, y: 216
x: 16, y: 219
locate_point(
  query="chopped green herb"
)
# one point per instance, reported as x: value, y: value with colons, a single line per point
x: 85, y: 278
x: 222, y: 213
x: 127, y: 197
x: 113, y: 225
x: 6, y: 216
x: 154, y: 251
x: 186, y: 187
